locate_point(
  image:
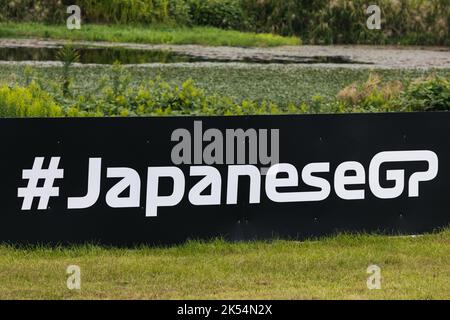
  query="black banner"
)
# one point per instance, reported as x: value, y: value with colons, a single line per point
x: 229, y: 309
x: 125, y: 181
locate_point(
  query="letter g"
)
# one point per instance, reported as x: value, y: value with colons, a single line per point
x: 399, y: 175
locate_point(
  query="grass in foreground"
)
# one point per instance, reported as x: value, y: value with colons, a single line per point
x: 146, y: 34
x: 333, y: 268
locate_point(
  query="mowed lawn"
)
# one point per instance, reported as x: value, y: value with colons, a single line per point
x: 332, y: 268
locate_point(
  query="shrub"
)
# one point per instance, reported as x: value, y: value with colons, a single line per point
x: 287, y: 17
x: 226, y: 14
x: 135, y: 11
x: 48, y: 11
x: 68, y: 56
x: 29, y: 101
x: 431, y: 94
x: 371, y: 95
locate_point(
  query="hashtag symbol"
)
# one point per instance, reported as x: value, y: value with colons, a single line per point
x: 33, y: 176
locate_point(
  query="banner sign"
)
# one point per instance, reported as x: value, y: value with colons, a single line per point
x: 163, y: 180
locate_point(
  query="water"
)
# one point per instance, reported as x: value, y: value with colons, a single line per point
x: 134, y: 56
x: 92, y: 55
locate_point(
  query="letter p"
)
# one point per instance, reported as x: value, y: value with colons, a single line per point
x: 154, y: 200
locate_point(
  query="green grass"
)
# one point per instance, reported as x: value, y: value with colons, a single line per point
x: 281, y: 84
x: 146, y: 34
x: 333, y: 268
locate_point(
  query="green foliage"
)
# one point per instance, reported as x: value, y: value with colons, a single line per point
x: 29, y: 101
x: 371, y: 95
x: 135, y: 11
x: 48, y: 11
x: 225, y: 14
x: 280, y: 84
x: 68, y: 56
x: 157, y: 97
x: 423, y: 22
x: 431, y: 94
x: 119, y: 94
x: 101, y: 11
x: 341, y: 21
x: 119, y: 78
x: 284, y: 17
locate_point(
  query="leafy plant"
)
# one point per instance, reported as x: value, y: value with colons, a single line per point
x: 371, y: 95
x: 423, y: 94
x: 430, y: 94
x: 68, y: 56
x: 226, y: 14
x: 119, y: 78
x: 28, y: 101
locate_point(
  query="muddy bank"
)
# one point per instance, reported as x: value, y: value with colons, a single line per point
x: 386, y: 57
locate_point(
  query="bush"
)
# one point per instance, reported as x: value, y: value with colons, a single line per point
x: 135, y: 11
x: 29, y: 101
x: 48, y: 11
x: 431, y: 94
x: 287, y: 17
x: 225, y: 14
x: 371, y: 95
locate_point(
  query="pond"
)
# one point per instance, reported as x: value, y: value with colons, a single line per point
x: 108, y: 55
